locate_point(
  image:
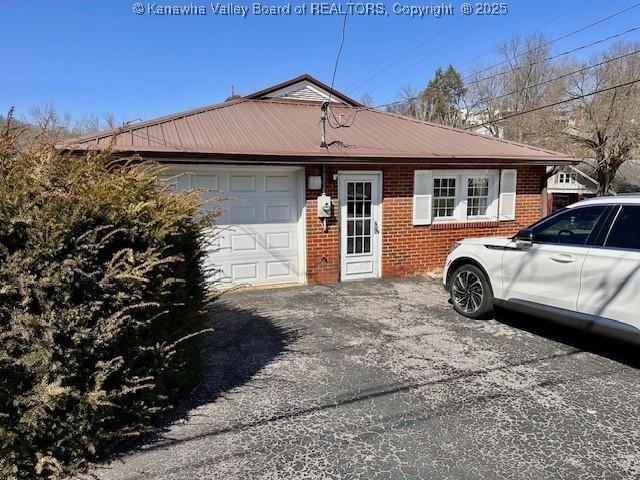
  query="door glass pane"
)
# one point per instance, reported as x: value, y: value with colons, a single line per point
x: 571, y: 227
x: 626, y: 231
x: 359, y: 227
x: 349, y: 245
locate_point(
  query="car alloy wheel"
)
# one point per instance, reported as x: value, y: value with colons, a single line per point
x: 468, y: 292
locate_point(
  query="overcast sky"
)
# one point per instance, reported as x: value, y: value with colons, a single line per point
x: 95, y: 57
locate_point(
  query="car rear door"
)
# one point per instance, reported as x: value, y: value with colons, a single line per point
x: 548, y: 271
x: 610, y: 280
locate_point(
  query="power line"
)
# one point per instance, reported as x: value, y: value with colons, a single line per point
x: 553, y: 57
x: 399, y: 59
x: 352, y: 117
x: 572, y: 99
x: 562, y: 37
x: 565, y: 75
x: 405, y: 100
x: 335, y: 66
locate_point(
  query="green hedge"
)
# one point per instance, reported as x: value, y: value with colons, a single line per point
x: 101, y: 297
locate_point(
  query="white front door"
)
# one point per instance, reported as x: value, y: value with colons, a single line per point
x: 360, y: 225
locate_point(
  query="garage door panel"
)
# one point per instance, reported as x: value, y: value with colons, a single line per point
x: 256, y: 271
x: 256, y: 237
x: 279, y: 240
x: 242, y: 183
x: 278, y: 183
x: 258, y: 211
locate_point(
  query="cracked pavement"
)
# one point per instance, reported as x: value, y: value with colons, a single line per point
x: 383, y: 380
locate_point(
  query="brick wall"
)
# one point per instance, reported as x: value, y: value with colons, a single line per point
x: 407, y: 249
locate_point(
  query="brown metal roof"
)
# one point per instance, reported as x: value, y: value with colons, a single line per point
x: 288, y: 131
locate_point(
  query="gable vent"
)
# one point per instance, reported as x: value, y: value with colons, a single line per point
x: 305, y: 93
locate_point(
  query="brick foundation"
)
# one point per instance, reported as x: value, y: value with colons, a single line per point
x: 407, y: 249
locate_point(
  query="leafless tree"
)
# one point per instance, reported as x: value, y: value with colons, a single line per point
x: 366, y: 100
x: 520, y: 83
x: 606, y: 126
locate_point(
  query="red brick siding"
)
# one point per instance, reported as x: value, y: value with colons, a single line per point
x: 407, y: 249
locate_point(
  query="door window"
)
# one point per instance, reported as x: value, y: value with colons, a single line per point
x: 625, y: 232
x: 358, y: 217
x: 570, y: 227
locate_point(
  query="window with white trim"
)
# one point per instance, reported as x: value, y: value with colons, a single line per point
x: 444, y: 197
x: 463, y: 195
x: 566, y: 177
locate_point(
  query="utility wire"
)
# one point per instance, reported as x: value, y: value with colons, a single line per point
x: 335, y: 66
x: 405, y: 100
x: 562, y: 37
x: 399, y: 59
x: 565, y: 75
x: 553, y: 57
x: 577, y: 97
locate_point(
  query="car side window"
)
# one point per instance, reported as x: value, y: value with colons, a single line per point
x: 571, y: 227
x: 625, y: 232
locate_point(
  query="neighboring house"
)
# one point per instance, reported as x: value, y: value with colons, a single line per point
x: 387, y: 196
x: 477, y: 123
x: 569, y: 186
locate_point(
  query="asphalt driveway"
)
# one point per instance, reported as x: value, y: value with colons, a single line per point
x: 383, y: 380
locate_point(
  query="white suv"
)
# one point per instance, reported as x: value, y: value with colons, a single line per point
x: 580, y: 265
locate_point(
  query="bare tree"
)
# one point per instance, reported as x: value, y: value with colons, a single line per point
x: 606, y: 126
x: 366, y: 100
x: 95, y: 123
x: 520, y: 83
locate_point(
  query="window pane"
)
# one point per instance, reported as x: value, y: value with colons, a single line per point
x: 367, y: 190
x: 350, y: 194
x: 358, y: 227
x: 571, y: 227
x: 477, y: 196
x: 626, y: 231
x: 358, y: 245
x: 367, y: 245
x: 349, y: 228
x: 349, y: 245
x: 444, y: 193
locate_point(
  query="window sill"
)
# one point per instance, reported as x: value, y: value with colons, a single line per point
x: 453, y: 225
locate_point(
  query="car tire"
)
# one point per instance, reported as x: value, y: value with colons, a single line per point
x: 471, y: 293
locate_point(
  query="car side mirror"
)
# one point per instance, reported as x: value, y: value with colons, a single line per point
x: 524, y: 238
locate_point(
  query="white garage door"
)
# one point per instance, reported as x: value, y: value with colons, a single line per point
x: 258, y: 234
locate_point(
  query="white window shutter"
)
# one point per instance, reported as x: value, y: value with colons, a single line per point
x: 422, y: 195
x: 508, y: 179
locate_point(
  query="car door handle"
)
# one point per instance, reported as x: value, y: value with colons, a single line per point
x: 563, y: 258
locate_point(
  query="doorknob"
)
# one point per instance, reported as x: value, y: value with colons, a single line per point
x: 375, y: 227
x: 563, y: 258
